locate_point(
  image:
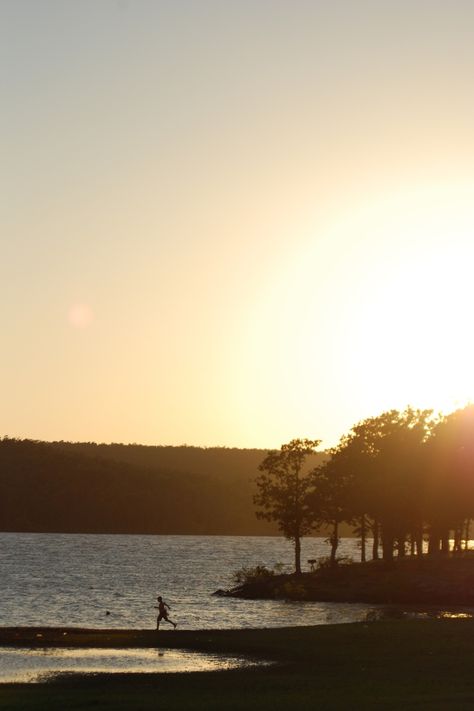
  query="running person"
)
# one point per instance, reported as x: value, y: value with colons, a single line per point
x: 163, y: 613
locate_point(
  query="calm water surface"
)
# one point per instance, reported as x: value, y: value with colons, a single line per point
x: 39, y: 665
x: 73, y: 579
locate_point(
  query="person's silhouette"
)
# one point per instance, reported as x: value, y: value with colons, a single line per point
x: 163, y: 608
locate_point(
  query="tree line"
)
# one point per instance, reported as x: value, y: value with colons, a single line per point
x: 404, y: 479
x: 99, y: 488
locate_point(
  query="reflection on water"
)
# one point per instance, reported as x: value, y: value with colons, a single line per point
x: 36, y: 665
x: 74, y: 579
x: 391, y: 612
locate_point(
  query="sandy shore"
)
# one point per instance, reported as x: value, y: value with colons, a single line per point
x: 79, y: 637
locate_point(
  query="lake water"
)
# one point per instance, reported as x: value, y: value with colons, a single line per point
x: 74, y: 579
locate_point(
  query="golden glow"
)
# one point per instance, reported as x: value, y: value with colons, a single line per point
x: 410, y: 334
x: 376, y: 315
x: 256, y: 244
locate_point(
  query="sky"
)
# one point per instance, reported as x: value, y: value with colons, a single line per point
x: 233, y: 223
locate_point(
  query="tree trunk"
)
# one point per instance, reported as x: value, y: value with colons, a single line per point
x: 387, y: 547
x: 297, y: 555
x: 401, y: 546
x: 467, y: 534
x: 445, y: 543
x: 419, y: 543
x: 363, y: 535
x: 334, y: 543
x: 457, y: 539
x: 434, y: 542
x: 375, y: 544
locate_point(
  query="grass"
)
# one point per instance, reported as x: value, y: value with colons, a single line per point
x: 430, y: 580
x: 383, y: 665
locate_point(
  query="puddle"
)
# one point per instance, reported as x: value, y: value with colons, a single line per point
x: 20, y: 665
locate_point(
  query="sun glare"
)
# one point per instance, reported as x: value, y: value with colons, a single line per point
x: 375, y: 313
x: 410, y: 327
x: 412, y: 340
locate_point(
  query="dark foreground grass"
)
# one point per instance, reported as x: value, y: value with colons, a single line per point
x: 383, y: 665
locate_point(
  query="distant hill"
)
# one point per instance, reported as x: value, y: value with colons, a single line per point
x: 116, y: 488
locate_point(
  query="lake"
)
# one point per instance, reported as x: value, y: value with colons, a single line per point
x: 75, y: 579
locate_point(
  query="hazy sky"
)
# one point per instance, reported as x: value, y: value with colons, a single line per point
x: 233, y: 222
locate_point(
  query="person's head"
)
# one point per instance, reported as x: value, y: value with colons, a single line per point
x: 159, y: 598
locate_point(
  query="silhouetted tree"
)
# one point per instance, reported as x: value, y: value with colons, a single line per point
x: 450, y: 491
x: 330, y: 500
x: 383, y: 456
x: 284, y: 489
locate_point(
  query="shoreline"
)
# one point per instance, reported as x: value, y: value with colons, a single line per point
x: 426, y: 581
x: 43, y: 636
x: 386, y: 664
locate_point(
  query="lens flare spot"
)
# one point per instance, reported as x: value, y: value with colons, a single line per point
x: 80, y: 315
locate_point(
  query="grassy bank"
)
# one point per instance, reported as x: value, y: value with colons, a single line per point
x: 389, y: 665
x: 431, y: 580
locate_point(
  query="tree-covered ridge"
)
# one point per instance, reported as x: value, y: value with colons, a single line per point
x: 87, y: 487
x: 401, y: 479
x: 230, y: 461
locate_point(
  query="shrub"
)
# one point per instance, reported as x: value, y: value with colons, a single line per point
x: 252, y: 575
x: 325, y: 561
